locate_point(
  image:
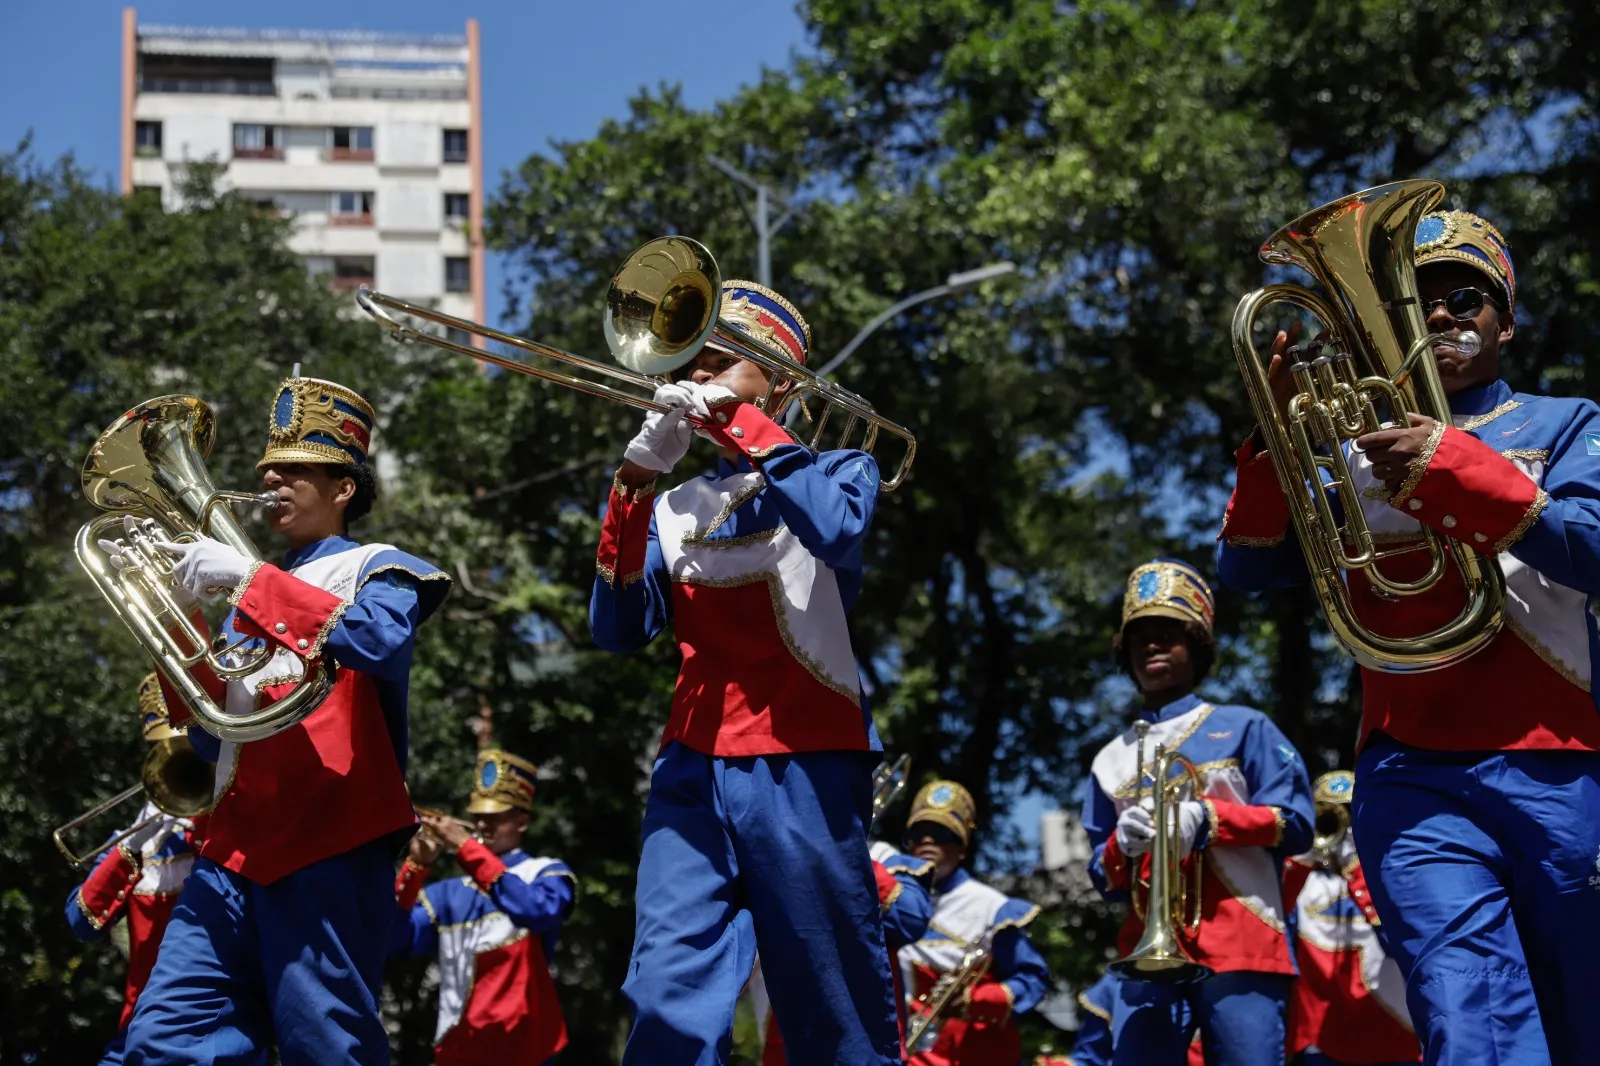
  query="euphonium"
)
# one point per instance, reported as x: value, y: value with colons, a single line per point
x: 150, y: 465
x: 1359, y: 248
x: 175, y: 779
x: 947, y: 993
x: 1160, y: 956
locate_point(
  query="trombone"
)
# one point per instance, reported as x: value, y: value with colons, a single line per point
x: 663, y: 306
x: 176, y: 781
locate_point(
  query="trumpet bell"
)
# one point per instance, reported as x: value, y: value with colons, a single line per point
x: 662, y: 305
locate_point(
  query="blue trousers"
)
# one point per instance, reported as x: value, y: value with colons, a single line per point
x: 114, y: 1052
x: 1239, y: 1015
x: 1488, y: 885
x: 765, y: 852
x: 297, y: 963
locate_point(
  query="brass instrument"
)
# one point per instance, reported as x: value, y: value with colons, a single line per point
x: 661, y: 309
x: 888, y: 781
x: 1333, y: 822
x: 176, y: 781
x: 1159, y: 956
x: 150, y: 465
x: 470, y: 827
x: 947, y: 993
x: 1359, y: 248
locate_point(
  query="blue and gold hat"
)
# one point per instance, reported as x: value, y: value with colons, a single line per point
x: 501, y: 782
x: 154, y: 717
x: 316, y: 421
x: 1335, y: 787
x: 1168, y: 588
x: 761, y: 313
x: 948, y: 804
x: 1465, y: 238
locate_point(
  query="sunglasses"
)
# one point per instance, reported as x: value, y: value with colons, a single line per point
x: 929, y: 831
x: 1463, y: 303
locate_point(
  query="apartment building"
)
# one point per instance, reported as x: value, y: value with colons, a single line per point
x: 370, y: 141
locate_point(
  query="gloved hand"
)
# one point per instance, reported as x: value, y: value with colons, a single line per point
x: 1191, y: 816
x: 706, y: 398
x: 206, y: 567
x: 113, y: 549
x: 1135, y: 831
x: 663, y: 438
x: 989, y: 1002
x: 157, y: 830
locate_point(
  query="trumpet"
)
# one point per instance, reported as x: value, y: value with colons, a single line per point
x: 176, y: 781
x: 1333, y: 822
x: 470, y: 827
x: 1359, y: 248
x: 661, y: 309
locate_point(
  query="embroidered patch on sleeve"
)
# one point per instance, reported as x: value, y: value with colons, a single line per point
x: 1591, y: 443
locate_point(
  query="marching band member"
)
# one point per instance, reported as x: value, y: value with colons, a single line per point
x: 1256, y: 808
x: 1093, y: 1046
x: 966, y: 913
x: 277, y: 937
x: 1480, y: 783
x: 138, y: 879
x: 494, y: 930
x: 755, y: 827
x: 1349, y: 1005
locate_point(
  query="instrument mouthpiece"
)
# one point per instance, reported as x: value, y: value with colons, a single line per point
x: 268, y: 500
x: 1468, y: 343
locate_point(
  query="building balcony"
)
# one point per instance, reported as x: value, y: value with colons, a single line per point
x: 349, y: 219
x: 258, y: 153
x: 347, y: 155
x: 350, y: 284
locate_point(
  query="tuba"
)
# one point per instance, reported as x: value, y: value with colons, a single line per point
x: 1159, y: 956
x: 663, y: 306
x: 947, y: 994
x: 176, y: 780
x: 1359, y: 248
x: 150, y: 465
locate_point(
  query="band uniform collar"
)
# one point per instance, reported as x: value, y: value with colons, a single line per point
x: 1172, y: 710
x: 320, y: 550
x: 1480, y: 400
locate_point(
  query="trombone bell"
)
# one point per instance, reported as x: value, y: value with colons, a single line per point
x: 175, y: 780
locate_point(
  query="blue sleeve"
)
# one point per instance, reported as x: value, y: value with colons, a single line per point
x: 907, y: 918
x: 827, y: 500
x: 1017, y: 963
x: 79, y: 922
x: 1099, y: 822
x: 375, y: 634
x: 415, y: 932
x: 626, y: 619
x: 540, y: 905
x: 1563, y: 543
x: 1276, y: 776
x: 1253, y: 569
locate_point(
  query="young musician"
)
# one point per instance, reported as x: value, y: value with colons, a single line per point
x: 138, y: 879
x: 1480, y: 786
x: 1256, y: 808
x: 281, y: 932
x: 1349, y: 1005
x: 982, y: 1029
x: 761, y: 794
x: 494, y: 930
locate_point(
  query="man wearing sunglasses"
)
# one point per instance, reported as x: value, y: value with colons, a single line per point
x: 982, y: 1029
x: 1479, y: 784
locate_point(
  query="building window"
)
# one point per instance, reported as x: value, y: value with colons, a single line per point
x: 457, y: 206
x: 351, y: 144
x: 350, y: 272
x: 457, y: 274
x: 147, y: 138
x: 351, y: 209
x: 255, y: 141
x: 455, y: 146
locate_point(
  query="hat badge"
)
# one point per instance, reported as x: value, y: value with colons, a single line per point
x: 488, y: 775
x: 1149, y: 586
x: 941, y: 796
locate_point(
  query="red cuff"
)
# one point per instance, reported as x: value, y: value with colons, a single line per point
x: 279, y: 607
x: 1257, y: 515
x: 481, y: 864
x: 990, y: 1002
x: 1465, y: 489
x: 103, y: 896
x: 888, y: 886
x: 1236, y: 825
x: 625, y: 534
x: 408, y: 883
x: 736, y: 424
x: 1356, y: 879
x: 1115, y: 864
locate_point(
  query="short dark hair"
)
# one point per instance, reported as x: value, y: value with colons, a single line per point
x: 1202, y: 650
x: 366, y: 489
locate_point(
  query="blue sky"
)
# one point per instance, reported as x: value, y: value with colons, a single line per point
x: 550, y: 70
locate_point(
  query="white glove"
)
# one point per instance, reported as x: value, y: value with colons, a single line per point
x: 705, y: 397
x: 114, y: 549
x: 156, y: 830
x: 664, y: 438
x: 1191, y: 816
x: 1135, y: 831
x: 206, y: 567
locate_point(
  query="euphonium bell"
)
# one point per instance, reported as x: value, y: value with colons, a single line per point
x: 1359, y: 248
x: 150, y: 465
x: 176, y: 781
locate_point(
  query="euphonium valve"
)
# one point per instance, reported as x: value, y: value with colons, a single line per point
x: 1379, y: 366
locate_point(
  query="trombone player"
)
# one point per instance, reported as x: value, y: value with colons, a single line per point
x: 1479, y: 782
x: 140, y: 878
x: 1255, y: 810
x: 274, y: 939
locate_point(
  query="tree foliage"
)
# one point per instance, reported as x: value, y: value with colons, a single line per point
x: 1073, y: 419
